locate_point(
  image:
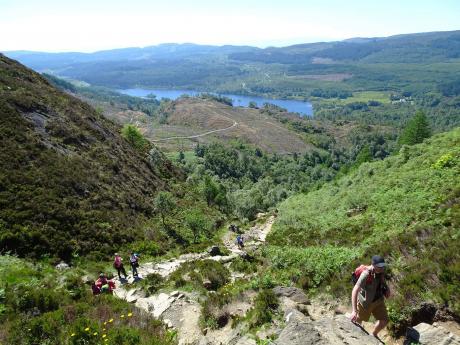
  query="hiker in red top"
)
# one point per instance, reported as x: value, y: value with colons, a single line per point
x: 103, y: 284
x: 118, y: 265
x: 369, y: 293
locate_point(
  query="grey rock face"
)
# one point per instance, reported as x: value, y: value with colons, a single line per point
x: 426, y: 334
x: 340, y: 330
x: 301, y: 330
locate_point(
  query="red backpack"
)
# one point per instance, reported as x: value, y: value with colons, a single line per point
x: 356, y: 274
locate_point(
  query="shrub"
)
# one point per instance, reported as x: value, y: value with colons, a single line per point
x: 265, y: 305
x: 213, y: 315
x: 152, y: 283
x: 25, y: 298
x: 445, y: 161
x: 132, y: 134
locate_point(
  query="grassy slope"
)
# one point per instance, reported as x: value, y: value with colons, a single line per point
x: 40, y: 305
x: 402, y: 207
x: 68, y: 181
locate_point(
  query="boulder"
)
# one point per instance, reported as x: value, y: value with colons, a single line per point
x: 299, y: 330
x: 426, y: 334
x: 62, y: 266
x: 340, y: 330
x: 214, y: 251
x: 293, y: 293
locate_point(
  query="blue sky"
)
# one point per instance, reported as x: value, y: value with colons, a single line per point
x: 90, y: 25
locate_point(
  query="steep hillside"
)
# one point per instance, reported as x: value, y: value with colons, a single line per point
x: 69, y: 183
x: 406, y: 207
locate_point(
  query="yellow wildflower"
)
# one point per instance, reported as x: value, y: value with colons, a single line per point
x: 95, y: 333
x: 87, y: 329
x: 130, y: 314
x: 111, y: 320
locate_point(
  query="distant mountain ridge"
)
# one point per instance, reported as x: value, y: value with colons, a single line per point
x: 36, y: 59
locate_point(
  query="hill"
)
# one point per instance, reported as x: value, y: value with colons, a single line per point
x: 192, y: 116
x: 414, y: 63
x: 69, y: 183
x: 405, y: 207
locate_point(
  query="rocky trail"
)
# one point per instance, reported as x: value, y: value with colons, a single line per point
x: 305, y: 322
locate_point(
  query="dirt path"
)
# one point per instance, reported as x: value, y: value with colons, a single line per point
x: 181, y: 310
x: 197, y: 135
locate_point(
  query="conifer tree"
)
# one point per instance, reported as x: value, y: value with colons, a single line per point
x: 416, y: 131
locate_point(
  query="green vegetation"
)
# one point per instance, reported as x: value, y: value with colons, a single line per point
x: 416, y: 130
x: 208, y: 274
x: 42, y: 306
x: 132, y: 134
x: 265, y: 304
x: 404, y: 207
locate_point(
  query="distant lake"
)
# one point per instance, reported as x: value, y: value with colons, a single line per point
x: 303, y: 108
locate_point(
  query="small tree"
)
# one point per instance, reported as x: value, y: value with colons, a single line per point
x: 164, y: 204
x: 416, y: 131
x: 181, y: 157
x: 363, y: 156
x: 197, y: 223
x: 132, y: 134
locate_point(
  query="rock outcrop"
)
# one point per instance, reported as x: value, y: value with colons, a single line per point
x: 301, y: 330
x: 435, y: 334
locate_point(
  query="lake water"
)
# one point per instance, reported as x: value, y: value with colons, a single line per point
x: 303, y: 108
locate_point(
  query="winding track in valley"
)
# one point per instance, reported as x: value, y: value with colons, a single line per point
x: 197, y: 135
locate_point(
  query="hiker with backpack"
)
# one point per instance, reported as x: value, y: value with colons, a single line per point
x: 369, y: 293
x: 134, y: 261
x: 118, y: 265
x: 239, y: 241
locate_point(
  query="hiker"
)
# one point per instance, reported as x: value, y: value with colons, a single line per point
x: 96, y: 290
x: 369, y: 293
x: 103, y: 284
x: 118, y: 265
x: 134, y: 261
x: 239, y: 241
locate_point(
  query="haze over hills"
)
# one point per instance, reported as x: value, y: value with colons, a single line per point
x: 292, y: 71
